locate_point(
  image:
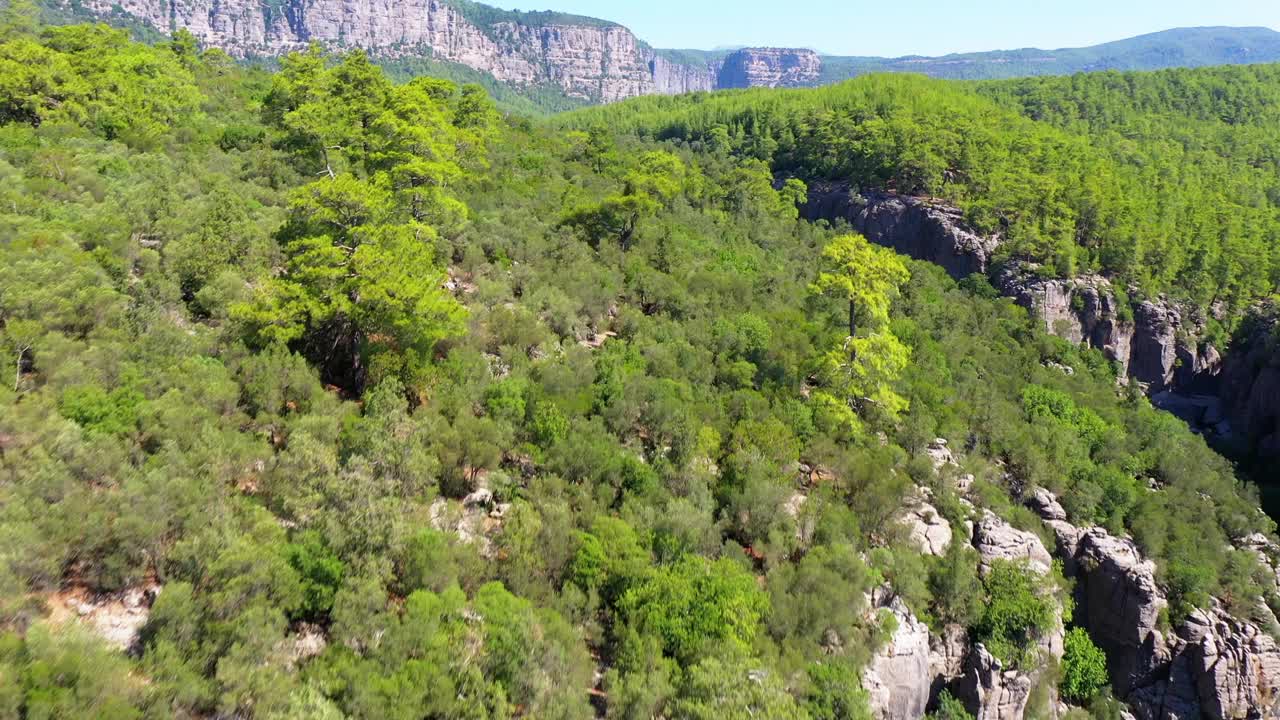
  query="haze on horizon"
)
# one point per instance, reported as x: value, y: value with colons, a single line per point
x: 927, y: 27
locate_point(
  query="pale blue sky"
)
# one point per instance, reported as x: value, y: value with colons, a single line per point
x: 924, y: 27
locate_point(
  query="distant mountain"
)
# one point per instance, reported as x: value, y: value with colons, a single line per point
x: 552, y: 61
x: 1181, y: 47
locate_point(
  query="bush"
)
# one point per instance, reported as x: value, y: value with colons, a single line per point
x: 320, y: 572
x: 1084, y: 668
x: 949, y: 708
x: 1016, y: 612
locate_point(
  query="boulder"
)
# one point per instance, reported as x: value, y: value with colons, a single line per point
x: 929, y: 531
x: 1121, y: 604
x: 1214, y: 666
x: 1236, y: 666
x: 990, y: 691
x: 947, y: 654
x: 996, y: 539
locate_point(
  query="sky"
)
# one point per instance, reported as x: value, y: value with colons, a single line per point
x: 906, y: 27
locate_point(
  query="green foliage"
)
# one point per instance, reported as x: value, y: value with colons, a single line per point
x: 1076, y: 174
x: 263, y: 332
x: 696, y: 605
x: 1084, y: 668
x: 1017, y: 612
x: 65, y: 675
x: 949, y: 708
x: 97, y: 411
x: 320, y: 572
x: 860, y: 371
x: 836, y: 693
x: 731, y: 689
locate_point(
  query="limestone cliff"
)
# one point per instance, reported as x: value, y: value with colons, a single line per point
x: 770, y: 67
x: 584, y: 58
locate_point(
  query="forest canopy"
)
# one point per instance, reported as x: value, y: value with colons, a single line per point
x: 1168, y: 181
x: 398, y: 407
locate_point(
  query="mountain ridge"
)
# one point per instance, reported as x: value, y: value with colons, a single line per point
x: 593, y: 60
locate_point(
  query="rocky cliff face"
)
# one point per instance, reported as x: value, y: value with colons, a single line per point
x: 590, y: 60
x: 1211, y: 666
x: 1152, y: 341
x: 1251, y: 383
x: 912, y: 226
x: 770, y: 67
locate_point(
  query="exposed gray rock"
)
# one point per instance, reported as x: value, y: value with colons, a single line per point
x: 1066, y: 536
x: 940, y: 453
x: 990, y: 691
x: 1120, y: 603
x: 928, y: 531
x: 588, y: 59
x: 1152, y: 341
x: 898, y: 678
x: 996, y: 539
x: 1213, y: 666
x: 1236, y: 667
x: 1152, y: 345
x: 769, y: 67
x: 920, y: 228
x: 1251, y: 383
x: 947, y: 654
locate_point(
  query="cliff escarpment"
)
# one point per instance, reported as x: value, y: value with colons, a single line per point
x: 584, y: 58
x: 1153, y: 341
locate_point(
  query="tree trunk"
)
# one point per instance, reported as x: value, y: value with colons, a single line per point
x: 17, y: 370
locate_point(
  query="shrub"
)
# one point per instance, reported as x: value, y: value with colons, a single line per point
x: 1084, y: 668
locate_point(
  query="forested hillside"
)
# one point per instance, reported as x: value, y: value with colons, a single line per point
x: 331, y: 397
x: 1168, y: 181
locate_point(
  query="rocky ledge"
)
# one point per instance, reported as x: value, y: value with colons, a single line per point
x: 1211, y: 666
x: 921, y: 228
x: 769, y: 67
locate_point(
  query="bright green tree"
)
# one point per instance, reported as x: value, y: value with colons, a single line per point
x: 1084, y: 668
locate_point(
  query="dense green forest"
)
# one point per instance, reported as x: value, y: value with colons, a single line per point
x: 1169, y: 181
x: 264, y: 332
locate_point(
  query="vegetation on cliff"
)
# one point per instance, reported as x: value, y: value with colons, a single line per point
x: 1168, y: 181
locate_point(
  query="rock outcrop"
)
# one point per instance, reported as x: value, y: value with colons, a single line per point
x: 1211, y: 666
x: 117, y: 618
x: 769, y: 67
x: 898, y: 678
x: 996, y: 539
x: 920, y: 228
x: 993, y: 692
x: 1152, y: 341
x: 927, y: 530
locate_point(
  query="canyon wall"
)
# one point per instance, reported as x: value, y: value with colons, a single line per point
x: 584, y: 58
